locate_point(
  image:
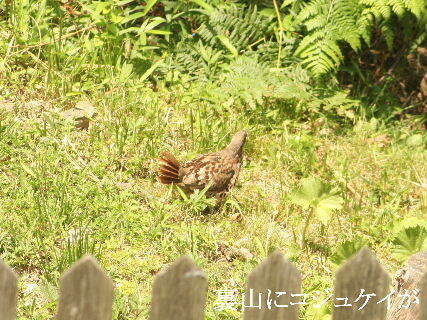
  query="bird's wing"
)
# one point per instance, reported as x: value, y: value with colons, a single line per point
x: 211, y: 168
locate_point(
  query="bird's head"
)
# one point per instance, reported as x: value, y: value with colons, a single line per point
x: 237, y: 142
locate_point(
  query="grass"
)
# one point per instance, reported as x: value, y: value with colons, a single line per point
x: 65, y: 192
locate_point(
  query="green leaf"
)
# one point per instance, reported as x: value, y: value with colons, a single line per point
x: 150, y: 70
x: 150, y: 4
x: 309, y: 192
x: 323, y: 215
x: 415, y: 140
x: 227, y: 43
x: 332, y: 202
x: 317, y: 195
x: 311, y: 187
x: 183, y: 194
x: 204, y: 5
x: 315, y: 312
x: 125, y: 71
x: 268, y: 12
x: 286, y: 3
x: 300, y: 199
x: 28, y: 170
x: 150, y: 24
x: 132, y: 17
x: 326, y: 206
x: 346, y: 249
x: 123, y: 2
x: 409, y: 242
x: 407, y: 223
x: 162, y: 32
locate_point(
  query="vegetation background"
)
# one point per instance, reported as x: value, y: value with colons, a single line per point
x: 331, y: 92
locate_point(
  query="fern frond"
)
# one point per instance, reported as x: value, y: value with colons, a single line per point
x: 194, y: 59
x: 331, y: 22
x: 242, y: 26
x: 254, y: 83
x: 398, y: 7
x: 388, y: 32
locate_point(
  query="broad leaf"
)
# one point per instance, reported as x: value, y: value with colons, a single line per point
x: 409, y: 242
x: 317, y: 195
x: 312, y: 188
x: 346, y: 249
x: 326, y: 206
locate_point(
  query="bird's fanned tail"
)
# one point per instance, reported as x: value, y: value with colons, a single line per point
x: 169, y: 169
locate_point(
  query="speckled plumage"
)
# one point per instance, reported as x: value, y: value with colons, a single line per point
x: 220, y: 169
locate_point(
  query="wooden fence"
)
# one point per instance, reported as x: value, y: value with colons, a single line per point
x: 179, y: 292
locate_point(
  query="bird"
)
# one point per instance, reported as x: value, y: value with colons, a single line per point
x: 218, y: 170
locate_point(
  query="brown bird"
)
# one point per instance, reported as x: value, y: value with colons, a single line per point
x: 219, y: 169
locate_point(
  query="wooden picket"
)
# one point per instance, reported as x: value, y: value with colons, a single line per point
x: 85, y: 292
x: 8, y: 292
x: 423, y: 298
x: 408, y: 280
x: 356, y: 280
x: 275, y: 274
x: 182, y: 288
x: 179, y: 292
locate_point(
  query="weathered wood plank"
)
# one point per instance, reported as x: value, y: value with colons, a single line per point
x: 278, y: 283
x: 86, y: 293
x: 8, y: 292
x: 356, y: 280
x: 408, y: 282
x: 179, y: 292
x: 423, y: 297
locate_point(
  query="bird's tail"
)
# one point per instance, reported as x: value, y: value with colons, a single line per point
x: 169, y: 169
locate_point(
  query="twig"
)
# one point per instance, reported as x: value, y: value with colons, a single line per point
x: 304, y: 231
x: 281, y: 29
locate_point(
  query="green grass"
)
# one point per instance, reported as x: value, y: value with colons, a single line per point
x: 65, y: 192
